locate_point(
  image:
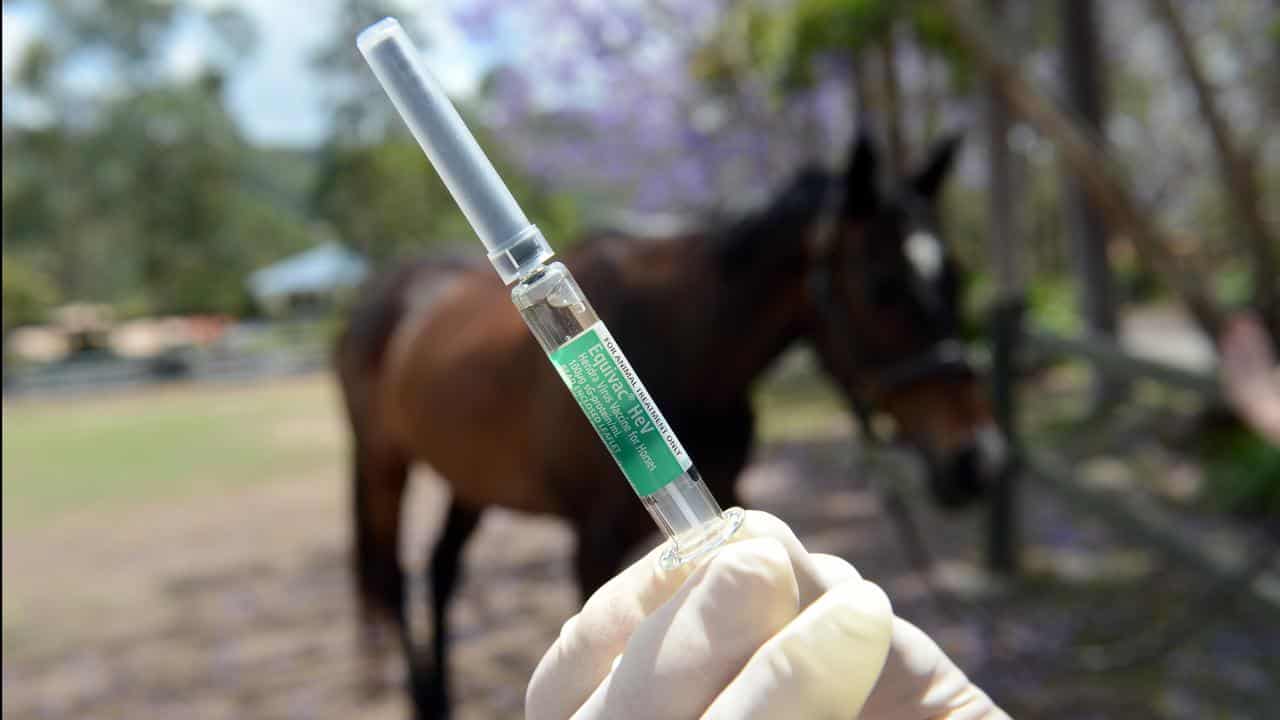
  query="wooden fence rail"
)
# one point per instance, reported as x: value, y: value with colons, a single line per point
x: 1219, y: 559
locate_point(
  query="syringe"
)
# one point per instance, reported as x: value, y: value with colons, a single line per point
x: 553, y: 306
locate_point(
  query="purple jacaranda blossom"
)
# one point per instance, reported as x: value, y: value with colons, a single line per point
x: 607, y: 99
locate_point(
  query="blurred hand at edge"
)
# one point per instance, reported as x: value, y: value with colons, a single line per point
x: 1251, y: 375
x: 761, y: 629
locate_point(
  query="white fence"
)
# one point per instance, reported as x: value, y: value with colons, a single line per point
x: 83, y: 376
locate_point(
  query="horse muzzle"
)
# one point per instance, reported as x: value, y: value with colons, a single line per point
x: 961, y: 476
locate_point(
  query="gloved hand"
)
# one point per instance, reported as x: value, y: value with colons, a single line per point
x: 762, y: 629
x: 1251, y: 374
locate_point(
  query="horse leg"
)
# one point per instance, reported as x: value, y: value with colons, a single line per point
x: 604, y: 540
x: 612, y: 526
x: 378, y: 489
x: 608, y: 537
x: 431, y: 690
x: 723, y: 455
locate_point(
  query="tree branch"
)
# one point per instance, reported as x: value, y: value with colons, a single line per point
x: 1237, y: 171
x: 1004, y: 194
x: 893, y: 104
x: 1100, y: 180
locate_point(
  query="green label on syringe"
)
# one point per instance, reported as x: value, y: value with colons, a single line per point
x: 621, y: 410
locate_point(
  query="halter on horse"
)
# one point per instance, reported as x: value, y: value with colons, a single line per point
x: 913, y: 275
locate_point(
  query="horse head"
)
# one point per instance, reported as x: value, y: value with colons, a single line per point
x: 886, y: 298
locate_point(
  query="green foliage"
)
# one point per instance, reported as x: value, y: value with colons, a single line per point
x: 373, y: 185
x: 149, y: 198
x: 1052, y: 305
x: 386, y: 199
x: 99, y: 453
x: 964, y: 209
x: 933, y: 30
x: 1233, y: 284
x: 361, y: 113
x: 784, y: 41
x: 184, y: 191
x: 138, y: 197
x: 558, y: 214
x: 29, y: 294
x: 148, y: 207
x: 1243, y: 471
x: 823, y: 26
x: 125, y: 35
x: 125, y: 27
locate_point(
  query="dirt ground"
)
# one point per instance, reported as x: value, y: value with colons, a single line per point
x: 238, y: 606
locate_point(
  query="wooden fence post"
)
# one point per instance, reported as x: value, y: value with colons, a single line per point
x: 1003, y: 212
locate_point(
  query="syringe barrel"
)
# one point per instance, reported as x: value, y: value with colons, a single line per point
x: 623, y: 414
x: 515, y: 245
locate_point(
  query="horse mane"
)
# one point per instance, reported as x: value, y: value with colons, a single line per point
x: 751, y: 237
x: 764, y: 233
x: 374, y: 316
x: 768, y: 237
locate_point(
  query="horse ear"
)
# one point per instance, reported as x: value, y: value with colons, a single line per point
x: 928, y: 180
x: 861, y: 192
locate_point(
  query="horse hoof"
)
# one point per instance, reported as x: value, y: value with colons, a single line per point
x: 431, y: 701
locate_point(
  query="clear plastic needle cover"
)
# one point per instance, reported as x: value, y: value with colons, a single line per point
x: 515, y: 245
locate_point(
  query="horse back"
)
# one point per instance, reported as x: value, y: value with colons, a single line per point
x: 461, y: 384
x: 456, y: 382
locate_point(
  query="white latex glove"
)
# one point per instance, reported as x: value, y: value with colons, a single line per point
x: 1251, y: 374
x: 761, y: 629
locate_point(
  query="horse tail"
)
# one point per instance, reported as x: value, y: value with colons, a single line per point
x: 379, y: 473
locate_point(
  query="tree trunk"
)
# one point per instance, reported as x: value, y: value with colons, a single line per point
x: 1103, y: 183
x: 892, y: 106
x: 1085, y: 231
x: 1237, y: 171
x: 1004, y: 198
x: 1003, y: 195
x: 932, y: 100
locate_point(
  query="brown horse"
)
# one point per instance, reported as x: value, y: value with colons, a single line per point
x: 437, y: 367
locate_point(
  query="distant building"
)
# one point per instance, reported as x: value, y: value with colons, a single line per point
x: 308, y: 281
x: 87, y: 325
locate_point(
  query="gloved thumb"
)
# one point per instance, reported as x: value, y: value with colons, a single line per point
x: 823, y: 664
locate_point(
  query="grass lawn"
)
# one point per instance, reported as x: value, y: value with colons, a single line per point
x: 800, y: 406
x: 95, y: 454
x: 98, y: 453
x: 111, y: 486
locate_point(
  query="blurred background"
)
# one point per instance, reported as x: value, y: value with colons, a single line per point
x: 194, y: 191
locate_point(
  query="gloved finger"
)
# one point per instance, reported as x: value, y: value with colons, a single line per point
x: 680, y: 657
x: 830, y: 570
x: 920, y: 681
x: 588, y: 643
x: 808, y: 573
x: 823, y: 664
x: 582, y: 654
